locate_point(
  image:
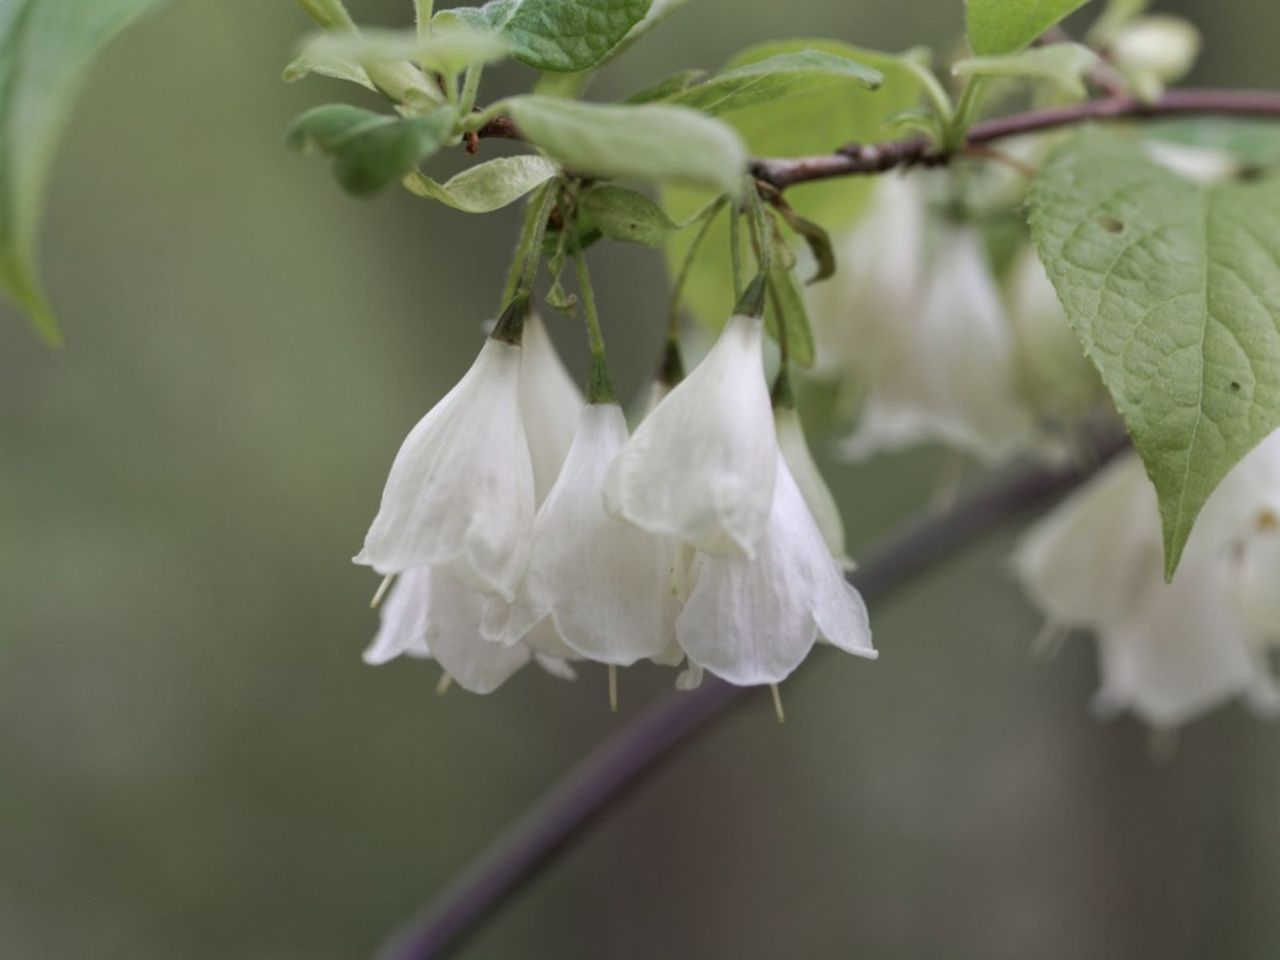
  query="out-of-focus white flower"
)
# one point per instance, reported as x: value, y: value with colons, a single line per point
x: 700, y: 467
x: 460, y: 495
x: 953, y: 377
x: 1168, y: 652
x: 1154, y: 50
x: 1057, y: 378
x: 808, y: 478
x: 859, y: 315
x: 1181, y: 650
x: 753, y: 620
x: 1197, y: 163
x: 429, y: 614
x: 607, y: 585
x: 550, y: 403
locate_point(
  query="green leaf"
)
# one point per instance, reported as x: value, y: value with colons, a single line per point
x: 561, y: 35
x: 323, y: 65
x: 652, y: 142
x: 1007, y: 26
x: 447, y: 49
x: 776, y: 78
x: 786, y: 311
x: 667, y: 87
x: 1063, y: 64
x: 623, y: 214
x: 44, y: 50
x: 1174, y: 289
x: 370, y: 149
x: 831, y: 114
x: 486, y: 186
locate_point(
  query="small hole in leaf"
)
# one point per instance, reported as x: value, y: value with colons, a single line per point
x: 1109, y: 223
x: 1235, y: 387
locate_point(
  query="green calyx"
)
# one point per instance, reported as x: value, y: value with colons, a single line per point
x: 510, y: 325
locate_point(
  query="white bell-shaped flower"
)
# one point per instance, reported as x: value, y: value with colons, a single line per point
x: 1086, y: 560
x: 700, y: 467
x: 1168, y: 652
x: 1056, y: 376
x: 1154, y: 50
x: 753, y: 620
x: 1181, y: 650
x: 460, y: 495
x: 859, y: 315
x: 817, y: 495
x: 429, y: 614
x: 954, y: 377
x: 607, y: 585
x: 550, y: 403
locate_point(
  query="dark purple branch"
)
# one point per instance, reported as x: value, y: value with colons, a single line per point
x: 855, y: 159
x: 600, y: 779
x: 877, y: 157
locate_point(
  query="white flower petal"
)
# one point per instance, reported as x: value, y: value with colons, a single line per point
x: 954, y: 380
x: 402, y: 627
x: 1056, y: 375
x: 453, y: 633
x: 700, y: 466
x: 1085, y: 561
x: 1181, y: 651
x: 859, y: 315
x: 460, y: 492
x: 752, y: 621
x: 550, y: 402
x: 606, y: 583
x: 808, y: 477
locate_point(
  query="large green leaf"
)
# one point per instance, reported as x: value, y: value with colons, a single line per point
x: 1007, y: 26
x: 1174, y: 289
x: 775, y: 78
x: 45, y: 46
x: 370, y: 149
x: 559, y: 35
x: 652, y: 142
x: 823, y: 117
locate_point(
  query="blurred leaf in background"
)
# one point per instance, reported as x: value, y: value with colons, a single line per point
x: 44, y: 50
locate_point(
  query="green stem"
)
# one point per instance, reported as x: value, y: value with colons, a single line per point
x: 599, y: 387
x: 470, y: 87
x: 966, y: 112
x: 524, y: 264
x: 760, y: 228
x: 422, y: 10
x: 735, y: 252
x: 677, y: 289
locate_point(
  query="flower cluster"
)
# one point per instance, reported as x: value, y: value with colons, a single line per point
x: 523, y: 524
x: 1167, y: 652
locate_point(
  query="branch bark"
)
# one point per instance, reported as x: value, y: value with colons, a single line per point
x: 621, y: 761
x: 860, y: 159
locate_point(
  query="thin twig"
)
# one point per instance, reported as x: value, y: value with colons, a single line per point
x: 856, y: 159
x: 602, y: 777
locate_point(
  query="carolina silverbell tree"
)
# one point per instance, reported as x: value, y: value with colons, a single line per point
x: 1030, y: 254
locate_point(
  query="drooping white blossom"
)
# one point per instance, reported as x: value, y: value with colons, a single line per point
x: 1167, y: 652
x: 753, y: 620
x: 859, y: 315
x: 1057, y: 378
x: 550, y: 403
x: 606, y: 585
x: 816, y: 493
x: 460, y: 495
x: 953, y: 376
x: 429, y: 614
x: 700, y: 467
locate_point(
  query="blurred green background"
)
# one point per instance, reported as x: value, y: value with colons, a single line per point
x: 194, y: 763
